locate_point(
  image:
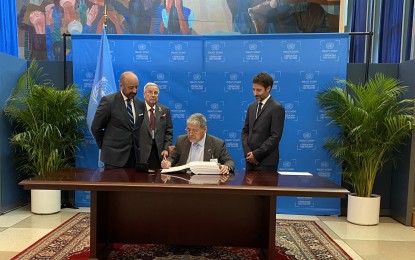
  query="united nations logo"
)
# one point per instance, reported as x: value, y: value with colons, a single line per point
x: 232, y: 135
x: 178, y: 47
x: 289, y: 106
x: 100, y: 89
x: 89, y: 75
x: 142, y: 47
x: 309, y: 76
x: 252, y: 46
x: 291, y: 46
x: 233, y: 76
x: 215, y: 47
x: 286, y: 164
x: 178, y: 106
x: 214, y: 106
x: 324, y: 164
x: 329, y: 45
x: 197, y: 76
x: 160, y: 76
x: 307, y: 135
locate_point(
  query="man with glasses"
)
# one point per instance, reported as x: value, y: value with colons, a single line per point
x: 116, y: 124
x: 197, y: 145
x: 156, y: 132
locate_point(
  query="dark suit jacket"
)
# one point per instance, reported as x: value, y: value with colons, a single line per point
x: 112, y: 130
x: 163, y: 134
x: 263, y: 134
x: 215, y: 148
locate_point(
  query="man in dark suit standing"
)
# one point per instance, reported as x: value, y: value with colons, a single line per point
x: 116, y: 124
x: 263, y: 127
x: 156, y: 132
x: 197, y: 145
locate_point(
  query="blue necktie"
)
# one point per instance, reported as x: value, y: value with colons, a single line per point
x: 130, y: 112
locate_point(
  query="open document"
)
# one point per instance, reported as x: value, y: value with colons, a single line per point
x: 296, y: 173
x: 197, y: 167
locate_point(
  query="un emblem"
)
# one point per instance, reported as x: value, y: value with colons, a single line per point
x: 307, y: 135
x: 329, y: 45
x: 197, y: 76
x: 142, y: 47
x: 178, y: 47
x: 160, y: 76
x: 252, y: 46
x: 215, y: 47
x: 289, y: 106
x: 309, y: 76
x: 286, y: 164
x: 233, y: 76
x: 232, y: 135
x: 214, y: 106
x: 291, y: 46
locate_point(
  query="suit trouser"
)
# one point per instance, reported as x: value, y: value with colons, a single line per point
x: 130, y: 161
x: 154, y: 158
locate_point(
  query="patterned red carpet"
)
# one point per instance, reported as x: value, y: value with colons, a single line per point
x: 295, y: 240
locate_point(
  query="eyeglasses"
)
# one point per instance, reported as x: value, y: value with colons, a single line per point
x: 155, y: 93
x: 195, y: 131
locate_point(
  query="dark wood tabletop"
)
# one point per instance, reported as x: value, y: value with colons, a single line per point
x: 266, y: 183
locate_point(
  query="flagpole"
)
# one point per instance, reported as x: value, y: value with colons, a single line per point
x: 105, y: 16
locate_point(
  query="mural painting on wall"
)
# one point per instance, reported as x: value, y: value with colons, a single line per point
x: 42, y: 22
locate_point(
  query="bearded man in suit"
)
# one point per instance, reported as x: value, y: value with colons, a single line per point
x: 262, y: 130
x: 197, y: 145
x: 116, y: 124
x: 156, y: 132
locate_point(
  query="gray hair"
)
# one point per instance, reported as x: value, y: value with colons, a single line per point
x: 197, y: 119
x: 150, y: 84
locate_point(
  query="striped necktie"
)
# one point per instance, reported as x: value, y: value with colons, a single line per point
x: 130, y: 112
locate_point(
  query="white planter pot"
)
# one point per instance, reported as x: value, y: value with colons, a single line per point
x: 363, y: 210
x: 45, y: 201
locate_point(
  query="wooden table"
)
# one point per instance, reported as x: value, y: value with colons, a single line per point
x: 182, y: 209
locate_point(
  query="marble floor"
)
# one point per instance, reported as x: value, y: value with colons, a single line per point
x: 389, y: 240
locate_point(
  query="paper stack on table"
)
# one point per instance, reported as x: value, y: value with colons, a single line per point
x: 204, y: 167
x: 196, y: 167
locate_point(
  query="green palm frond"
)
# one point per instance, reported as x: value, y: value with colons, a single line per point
x: 373, y: 119
x: 47, y: 122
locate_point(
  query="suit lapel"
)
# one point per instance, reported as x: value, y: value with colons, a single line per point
x: 186, y: 150
x: 207, y: 152
x: 123, y: 108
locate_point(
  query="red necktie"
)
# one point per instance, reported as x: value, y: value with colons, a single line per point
x: 152, y: 119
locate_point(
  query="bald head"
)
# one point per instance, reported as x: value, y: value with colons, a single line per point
x: 129, y: 84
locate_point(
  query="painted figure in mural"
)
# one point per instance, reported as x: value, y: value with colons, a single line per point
x: 175, y: 18
x: 31, y: 19
x: 95, y: 18
x: 277, y: 16
x: 62, y: 16
x: 139, y: 15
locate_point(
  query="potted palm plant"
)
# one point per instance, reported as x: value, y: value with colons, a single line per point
x: 374, y: 120
x: 46, y: 130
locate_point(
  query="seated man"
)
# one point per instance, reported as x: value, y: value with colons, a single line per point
x: 197, y: 145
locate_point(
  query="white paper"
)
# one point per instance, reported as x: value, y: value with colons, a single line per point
x: 175, y: 168
x: 296, y: 173
x: 196, y: 167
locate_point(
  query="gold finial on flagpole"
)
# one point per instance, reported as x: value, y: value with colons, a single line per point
x: 105, y: 15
